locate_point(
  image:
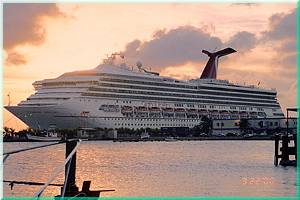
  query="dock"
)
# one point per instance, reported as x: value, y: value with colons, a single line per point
x: 285, y: 150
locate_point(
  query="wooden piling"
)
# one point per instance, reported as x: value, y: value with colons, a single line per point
x: 285, y: 149
x: 276, y: 150
x: 295, y: 144
x: 71, y: 190
x: 71, y: 187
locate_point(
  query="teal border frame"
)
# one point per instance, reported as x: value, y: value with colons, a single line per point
x: 298, y: 96
x: 1, y: 100
x: 157, y: 198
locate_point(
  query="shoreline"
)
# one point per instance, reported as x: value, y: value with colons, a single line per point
x: 158, y: 139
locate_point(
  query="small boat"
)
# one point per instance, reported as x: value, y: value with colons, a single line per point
x: 145, y: 135
x: 170, y: 139
x: 35, y: 138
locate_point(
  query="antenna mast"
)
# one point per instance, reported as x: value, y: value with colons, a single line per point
x: 8, y: 95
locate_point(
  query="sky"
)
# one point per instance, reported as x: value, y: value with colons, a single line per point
x: 46, y: 40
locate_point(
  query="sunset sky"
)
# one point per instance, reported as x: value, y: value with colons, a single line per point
x: 45, y: 40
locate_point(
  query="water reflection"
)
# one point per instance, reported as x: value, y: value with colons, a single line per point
x: 192, y: 168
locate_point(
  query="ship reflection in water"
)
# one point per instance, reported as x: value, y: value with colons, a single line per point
x: 194, y: 168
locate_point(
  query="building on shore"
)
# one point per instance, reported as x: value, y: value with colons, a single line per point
x: 253, y: 126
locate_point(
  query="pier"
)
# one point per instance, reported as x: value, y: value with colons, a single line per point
x: 285, y: 149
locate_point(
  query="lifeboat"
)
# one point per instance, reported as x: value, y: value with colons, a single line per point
x: 154, y: 109
x: 110, y: 108
x: 179, y: 110
x: 141, y: 109
x: 192, y: 111
x: 127, y: 109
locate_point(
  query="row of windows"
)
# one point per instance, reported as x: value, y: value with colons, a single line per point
x: 185, y: 86
x: 149, y: 119
x: 177, y: 95
x: 124, y: 124
x: 47, y: 98
x: 237, y: 124
x: 278, y: 114
x: 63, y: 83
x: 194, y: 91
x: 275, y: 123
x: 173, y: 99
x: 222, y: 124
x: 204, y: 106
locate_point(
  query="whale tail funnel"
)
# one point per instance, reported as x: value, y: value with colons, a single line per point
x: 210, y: 70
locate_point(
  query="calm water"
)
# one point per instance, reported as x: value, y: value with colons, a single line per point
x: 189, y: 168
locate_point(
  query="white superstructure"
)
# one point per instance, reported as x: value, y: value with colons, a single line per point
x: 115, y: 96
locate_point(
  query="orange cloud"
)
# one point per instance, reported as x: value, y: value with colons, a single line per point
x: 22, y: 24
x: 14, y: 58
x: 181, y: 45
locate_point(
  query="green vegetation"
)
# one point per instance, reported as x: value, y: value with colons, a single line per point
x: 244, y: 126
x: 204, y: 128
x: 10, y: 133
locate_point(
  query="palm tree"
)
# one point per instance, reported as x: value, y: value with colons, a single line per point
x: 244, y: 126
x: 204, y: 127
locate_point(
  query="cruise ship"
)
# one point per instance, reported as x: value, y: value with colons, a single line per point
x: 116, y: 95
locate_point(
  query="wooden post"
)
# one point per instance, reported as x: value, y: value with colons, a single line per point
x: 295, y: 144
x: 71, y: 188
x: 287, y: 121
x: 276, y: 150
x: 284, y: 149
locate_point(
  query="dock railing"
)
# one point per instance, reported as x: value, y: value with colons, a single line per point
x: 69, y: 188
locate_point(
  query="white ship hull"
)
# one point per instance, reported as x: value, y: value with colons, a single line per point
x: 68, y: 115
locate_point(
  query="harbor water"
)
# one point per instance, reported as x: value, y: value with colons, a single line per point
x: 180, y: 168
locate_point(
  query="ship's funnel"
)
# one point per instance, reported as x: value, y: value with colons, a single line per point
x: 211, y: 68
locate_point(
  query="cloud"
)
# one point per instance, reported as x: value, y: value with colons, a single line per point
x: 174, y: 47
x: 242, y: 41
x: 282, y: 26
x: 14, y: 58
x: 22, y: 25
x: 245, y: 4
x: 282, y: 36
x: 181, y: 45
